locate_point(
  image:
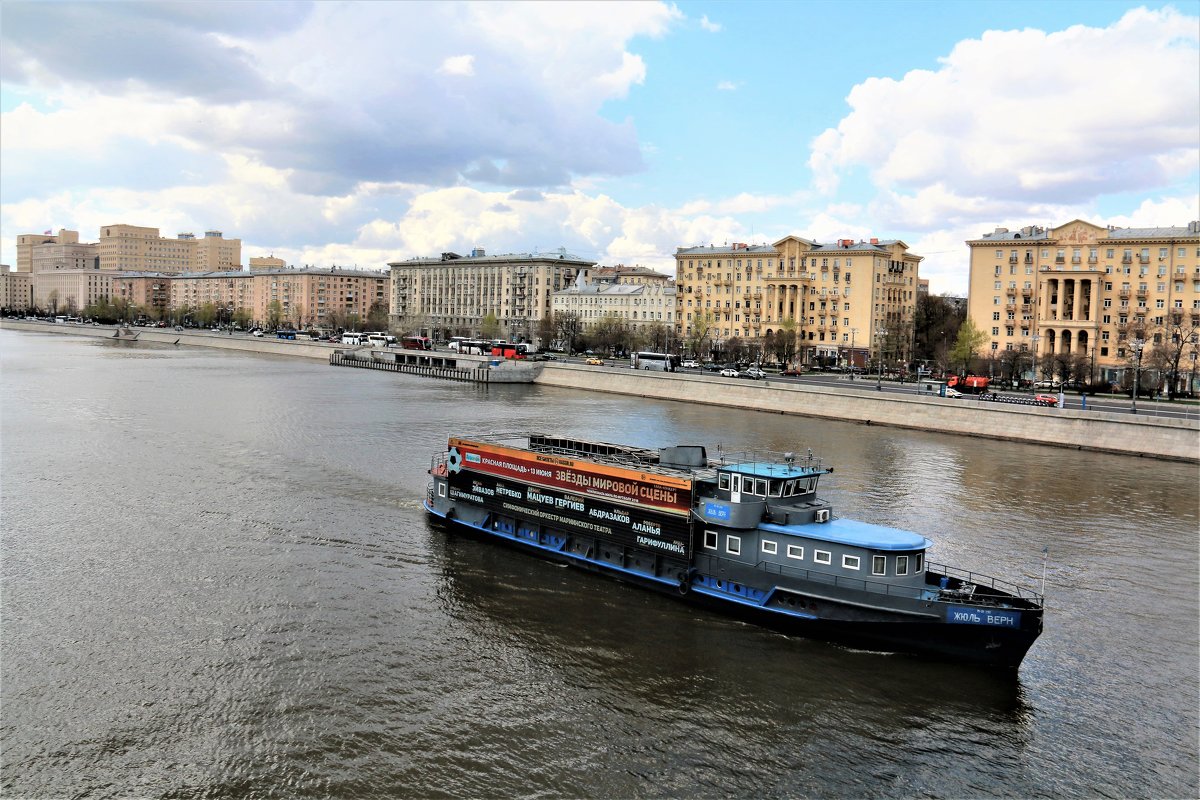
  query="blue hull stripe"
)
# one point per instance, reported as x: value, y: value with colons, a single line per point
x: 715, y: 594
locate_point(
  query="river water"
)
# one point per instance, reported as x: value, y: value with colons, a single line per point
x: 218, y: 581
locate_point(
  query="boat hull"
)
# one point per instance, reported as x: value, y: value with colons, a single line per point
x: 923, y: 634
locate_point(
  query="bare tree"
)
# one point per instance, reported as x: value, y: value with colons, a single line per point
x: 569, y: 326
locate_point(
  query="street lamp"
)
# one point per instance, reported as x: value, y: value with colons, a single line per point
x: 879, y: 334
x: 853, y: 339
x: 1192, y: 382
x: 1136, y: 345
x: 1036, y: 338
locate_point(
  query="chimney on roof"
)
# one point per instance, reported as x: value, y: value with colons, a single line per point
x: 874, y: 241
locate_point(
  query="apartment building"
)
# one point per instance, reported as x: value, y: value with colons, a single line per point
x: 133, y: 248
x: 452, y: 294
x: 70, y: 290
x: 846, y: 301
x: 639, y: 305
x: 16, y: 289
x: 1084, y: 290
x: 623, y: 274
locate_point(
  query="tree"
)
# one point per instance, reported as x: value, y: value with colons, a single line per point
x: 377, y: 317
x: 206, y: 314
x: 702, y: 327
x: 569, y: 326
x: 241, y: 317
x: 611, y: 333
x: 969, y: 340
x: 1177, y: 338
x: 489, y: 328
x: 545, y: 331
x: 53, y: 298
x: 935, y: 326
x: 783, y: 343
x: 274, y: 314
x: 658, y: 337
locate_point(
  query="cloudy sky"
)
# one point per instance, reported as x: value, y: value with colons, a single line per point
x: 357, y: 133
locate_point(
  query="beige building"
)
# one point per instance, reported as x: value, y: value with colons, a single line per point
x: 27, y: 241
x: 70, y: 290
x: 639, y: 305
x: 1084, y: 292
x: 132, y: 248
x: 634, y: 275
x: 266, y: 262
x: 847, y: 301
x: 16, y: 289
x: 452, y: 295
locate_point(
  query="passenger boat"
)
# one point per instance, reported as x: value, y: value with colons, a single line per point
x: 745, y: 533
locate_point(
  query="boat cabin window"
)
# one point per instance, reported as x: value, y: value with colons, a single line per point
x: 770, y: 547
x: 723, y: 480
x: 919, y: 567
x: 901, y: 565
x: 710, y: 540
x: 441, y: 490
x: 850, y: 562
x: 822, y: 557
x: 879, y: 565
x: 760, y: 487
x: 795, y: 551
x: 789, y: 489
x: 776, y: 488
x: 733, y: 545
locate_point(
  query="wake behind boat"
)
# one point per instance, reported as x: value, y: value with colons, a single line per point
x: 744, y: 533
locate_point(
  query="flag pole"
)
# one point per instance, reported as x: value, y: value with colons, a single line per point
x: 1045, y: 557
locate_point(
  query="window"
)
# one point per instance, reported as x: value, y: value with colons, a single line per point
x: 918, y: 566
x: 724, y: 480
x: 733, y: 545
x: 822, y: 557
x: 710, y: 540
x: 441, y: 490
x: 850, y: 562
x: 878, y: 565
x: 901, y: 565
x: 769, y: 547
x: 795, y: 551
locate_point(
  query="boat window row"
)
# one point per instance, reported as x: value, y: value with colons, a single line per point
x: 766, y: 487
x: 879, y: 564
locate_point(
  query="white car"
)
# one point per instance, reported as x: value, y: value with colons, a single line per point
x: 258, y: 333
x: 729, y: 373
x: 690, y: 365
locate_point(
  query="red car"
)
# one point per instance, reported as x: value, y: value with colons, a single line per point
x: 1046, y: 399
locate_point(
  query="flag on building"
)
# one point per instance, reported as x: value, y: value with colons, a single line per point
x: 47, y: 233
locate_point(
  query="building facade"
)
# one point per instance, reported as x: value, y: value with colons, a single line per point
x: 453, y: 294
x: 27, y: 241
x: 638, y: 305
x: 1084, y: 292
x: 16, y: 290
x: 847, y: 302
x: 70, y: 290
x: 133, y: 248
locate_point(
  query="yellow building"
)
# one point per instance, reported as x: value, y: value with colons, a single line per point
x: 846, y: 301
x: 70, y: 290
x: 641, y: 303
x: 446, y: 296
x: 266, y: 262
x: 1082, y: 293
x: 27, y: 241
x: 133, y: 248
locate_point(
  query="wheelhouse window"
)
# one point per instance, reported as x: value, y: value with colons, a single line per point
x: 795, y: 551
x: 789, y: 489
x: 723, y: 480
x: 919, y: 566
x: 850, y: 562
x: 776, y: 488
x: 733, y: 545
x: 822, y: 557
x: 879, y: 565
x: 710, y: 540
x: 760, y: 487
x: 901, y: 565
x: 770, y: 547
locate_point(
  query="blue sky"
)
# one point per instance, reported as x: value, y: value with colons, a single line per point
x: 359, y: 133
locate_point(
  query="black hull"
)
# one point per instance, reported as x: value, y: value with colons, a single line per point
x: 922, y: 637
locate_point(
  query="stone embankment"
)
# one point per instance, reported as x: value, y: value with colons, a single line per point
x: 1173, y: 439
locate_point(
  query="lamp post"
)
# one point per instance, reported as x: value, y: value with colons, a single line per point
x: 879, y: 334
x: 853, y: 338
x: 1192, y: 382
x: 1136, y: 345
x: 1035, y: 338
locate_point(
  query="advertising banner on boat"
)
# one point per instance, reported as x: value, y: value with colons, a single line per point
x: 625, y: 525
x: 662, y: 493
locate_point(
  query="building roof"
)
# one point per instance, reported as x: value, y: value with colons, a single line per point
x: 614, y: 289
x: 454, y: 259
x: 1038, y: 234
x: 737, y: 248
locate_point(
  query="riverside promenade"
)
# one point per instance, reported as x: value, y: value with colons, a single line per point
x: 1091, y: 430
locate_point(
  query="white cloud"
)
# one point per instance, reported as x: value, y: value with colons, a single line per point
x: 458, y: 65
x: 727, y: 86
x: 710, y: 26
x: 1028, y: 116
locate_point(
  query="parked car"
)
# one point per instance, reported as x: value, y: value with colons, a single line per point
x: 258, y: 333
x: 690, y: 365
x: 729, y: 372
x: 754, y: 373
x: 595, y: 362
x: 709, y: 366
x: 1046, y: 400
x: 952, y: 393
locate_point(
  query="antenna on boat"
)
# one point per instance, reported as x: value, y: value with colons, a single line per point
x: 1045, y: 558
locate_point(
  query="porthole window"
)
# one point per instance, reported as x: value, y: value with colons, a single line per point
x: 710, y: 540
x: 770, y: 547
x: 850, y: 562
x: 901, y: 565
x: 795, y: 551
x: 878, y: 565
x: 733, y: 545
x: 822, y: 557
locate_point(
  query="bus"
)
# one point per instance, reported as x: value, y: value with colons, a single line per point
x: 475, y: 347
x: 510, y: 349
x: 416, y: 343
x: 661, y: 362
x: 285, y: 333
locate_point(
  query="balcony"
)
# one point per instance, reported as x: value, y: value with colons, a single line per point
x: 1013, y: 259
x: 1010, y: 308
x: 1124, y: 293
x: 1026, y: 308
x: 1126, y: 259
x: 1060, y: 260
x: 1143, y: 259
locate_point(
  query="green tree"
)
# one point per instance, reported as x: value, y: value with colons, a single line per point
x: 274, y: 314
x: 377, y: 317
x: 783, y: 343
x: 935, y: 325
x: 545, y: 330
x: 206, y: 314
x: 489, y: 328
x: 969, y: 340
x: 611, y: 333
x: 702, y: 327
x: 241, y: 317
